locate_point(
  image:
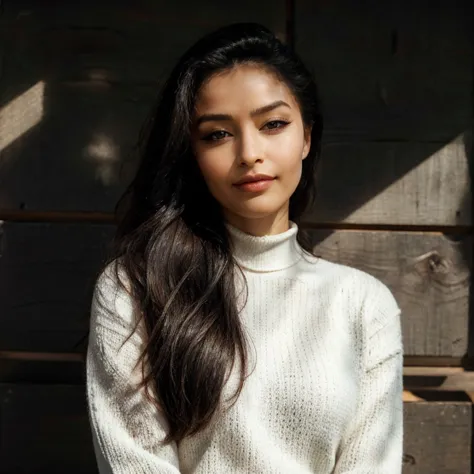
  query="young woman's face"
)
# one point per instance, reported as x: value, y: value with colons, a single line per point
x: 248, y: 126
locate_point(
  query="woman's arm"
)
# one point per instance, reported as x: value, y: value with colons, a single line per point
x: 374, y: 441
x: 127, y: 428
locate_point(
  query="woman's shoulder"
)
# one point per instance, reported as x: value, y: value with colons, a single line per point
x: 112, y: 302
x: 357, y: 284
x: 369, y: 303
x: 332, y: 269
x: 116, y: 334
x: 112, y: 276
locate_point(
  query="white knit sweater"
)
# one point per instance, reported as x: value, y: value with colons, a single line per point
x: 325, y: 395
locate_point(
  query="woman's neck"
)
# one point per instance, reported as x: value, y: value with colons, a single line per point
x: 269, y: 225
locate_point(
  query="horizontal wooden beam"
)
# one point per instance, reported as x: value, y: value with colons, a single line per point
x: 41, y: 356
x: 436, y: 361
x: 52, y: 216
x: 406, y: 228
x: 109, y: 218
x: 438, y: 378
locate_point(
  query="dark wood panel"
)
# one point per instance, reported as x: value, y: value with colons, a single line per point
x: 429, y: 274
x: 45, y: 428
x: 395, y: 183
x: 47, y: 272
x: 437, y: 438
x: 42, y: 368
x: 79, y: 81
x: 392, y: 69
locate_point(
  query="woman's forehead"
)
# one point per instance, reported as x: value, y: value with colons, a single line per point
x: 242, y: 87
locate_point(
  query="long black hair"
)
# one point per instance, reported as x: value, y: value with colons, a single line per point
x: 172, y: 242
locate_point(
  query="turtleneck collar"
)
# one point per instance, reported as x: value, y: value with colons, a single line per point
x: 268, y: 253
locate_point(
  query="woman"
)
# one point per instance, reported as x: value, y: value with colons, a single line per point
x: 219, y: 343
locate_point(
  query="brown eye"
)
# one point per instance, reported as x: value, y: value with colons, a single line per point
x: 215, y: 136
x: 272, y: 125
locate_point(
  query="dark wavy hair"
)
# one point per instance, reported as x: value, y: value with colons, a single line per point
x: 172, y: 242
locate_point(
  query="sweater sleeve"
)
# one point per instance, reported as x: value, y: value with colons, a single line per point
x: 126, y: 427
x: 373, y: 442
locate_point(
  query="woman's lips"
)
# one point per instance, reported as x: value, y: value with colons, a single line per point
x: 255, y: 186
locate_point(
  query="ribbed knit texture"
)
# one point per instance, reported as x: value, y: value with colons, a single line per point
x: 325, y: 395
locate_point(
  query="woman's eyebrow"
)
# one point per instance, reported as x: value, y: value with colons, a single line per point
x: 221, y: 117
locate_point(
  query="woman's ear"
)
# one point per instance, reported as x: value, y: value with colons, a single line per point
x: 307, y: 141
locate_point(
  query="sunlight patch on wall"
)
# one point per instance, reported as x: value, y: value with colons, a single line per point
x: 21, y: 114
x: 103, y: 152
x: 435, y: 192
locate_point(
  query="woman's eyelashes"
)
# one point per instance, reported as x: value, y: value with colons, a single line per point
x: 276, y: 124
x: 215, y: 136
x: 219, y: 135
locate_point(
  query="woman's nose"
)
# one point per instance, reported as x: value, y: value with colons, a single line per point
x: 250, y: 149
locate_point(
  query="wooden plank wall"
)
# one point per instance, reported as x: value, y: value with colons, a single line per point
x: 395, y: 196
x: 395, y: 199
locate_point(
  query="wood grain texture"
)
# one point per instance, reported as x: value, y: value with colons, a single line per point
x: 101, y: 66
x: 44, y: 428
x: 393, y: 69
x: 395, y: 183
x: 428, y: 273
x: 437, y: 438
x: 47, y: 272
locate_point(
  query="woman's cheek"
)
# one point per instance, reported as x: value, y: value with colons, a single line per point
x: 214, y: 171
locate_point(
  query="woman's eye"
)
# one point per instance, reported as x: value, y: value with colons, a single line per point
x: 275, y: 124
x: 215, y: 136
